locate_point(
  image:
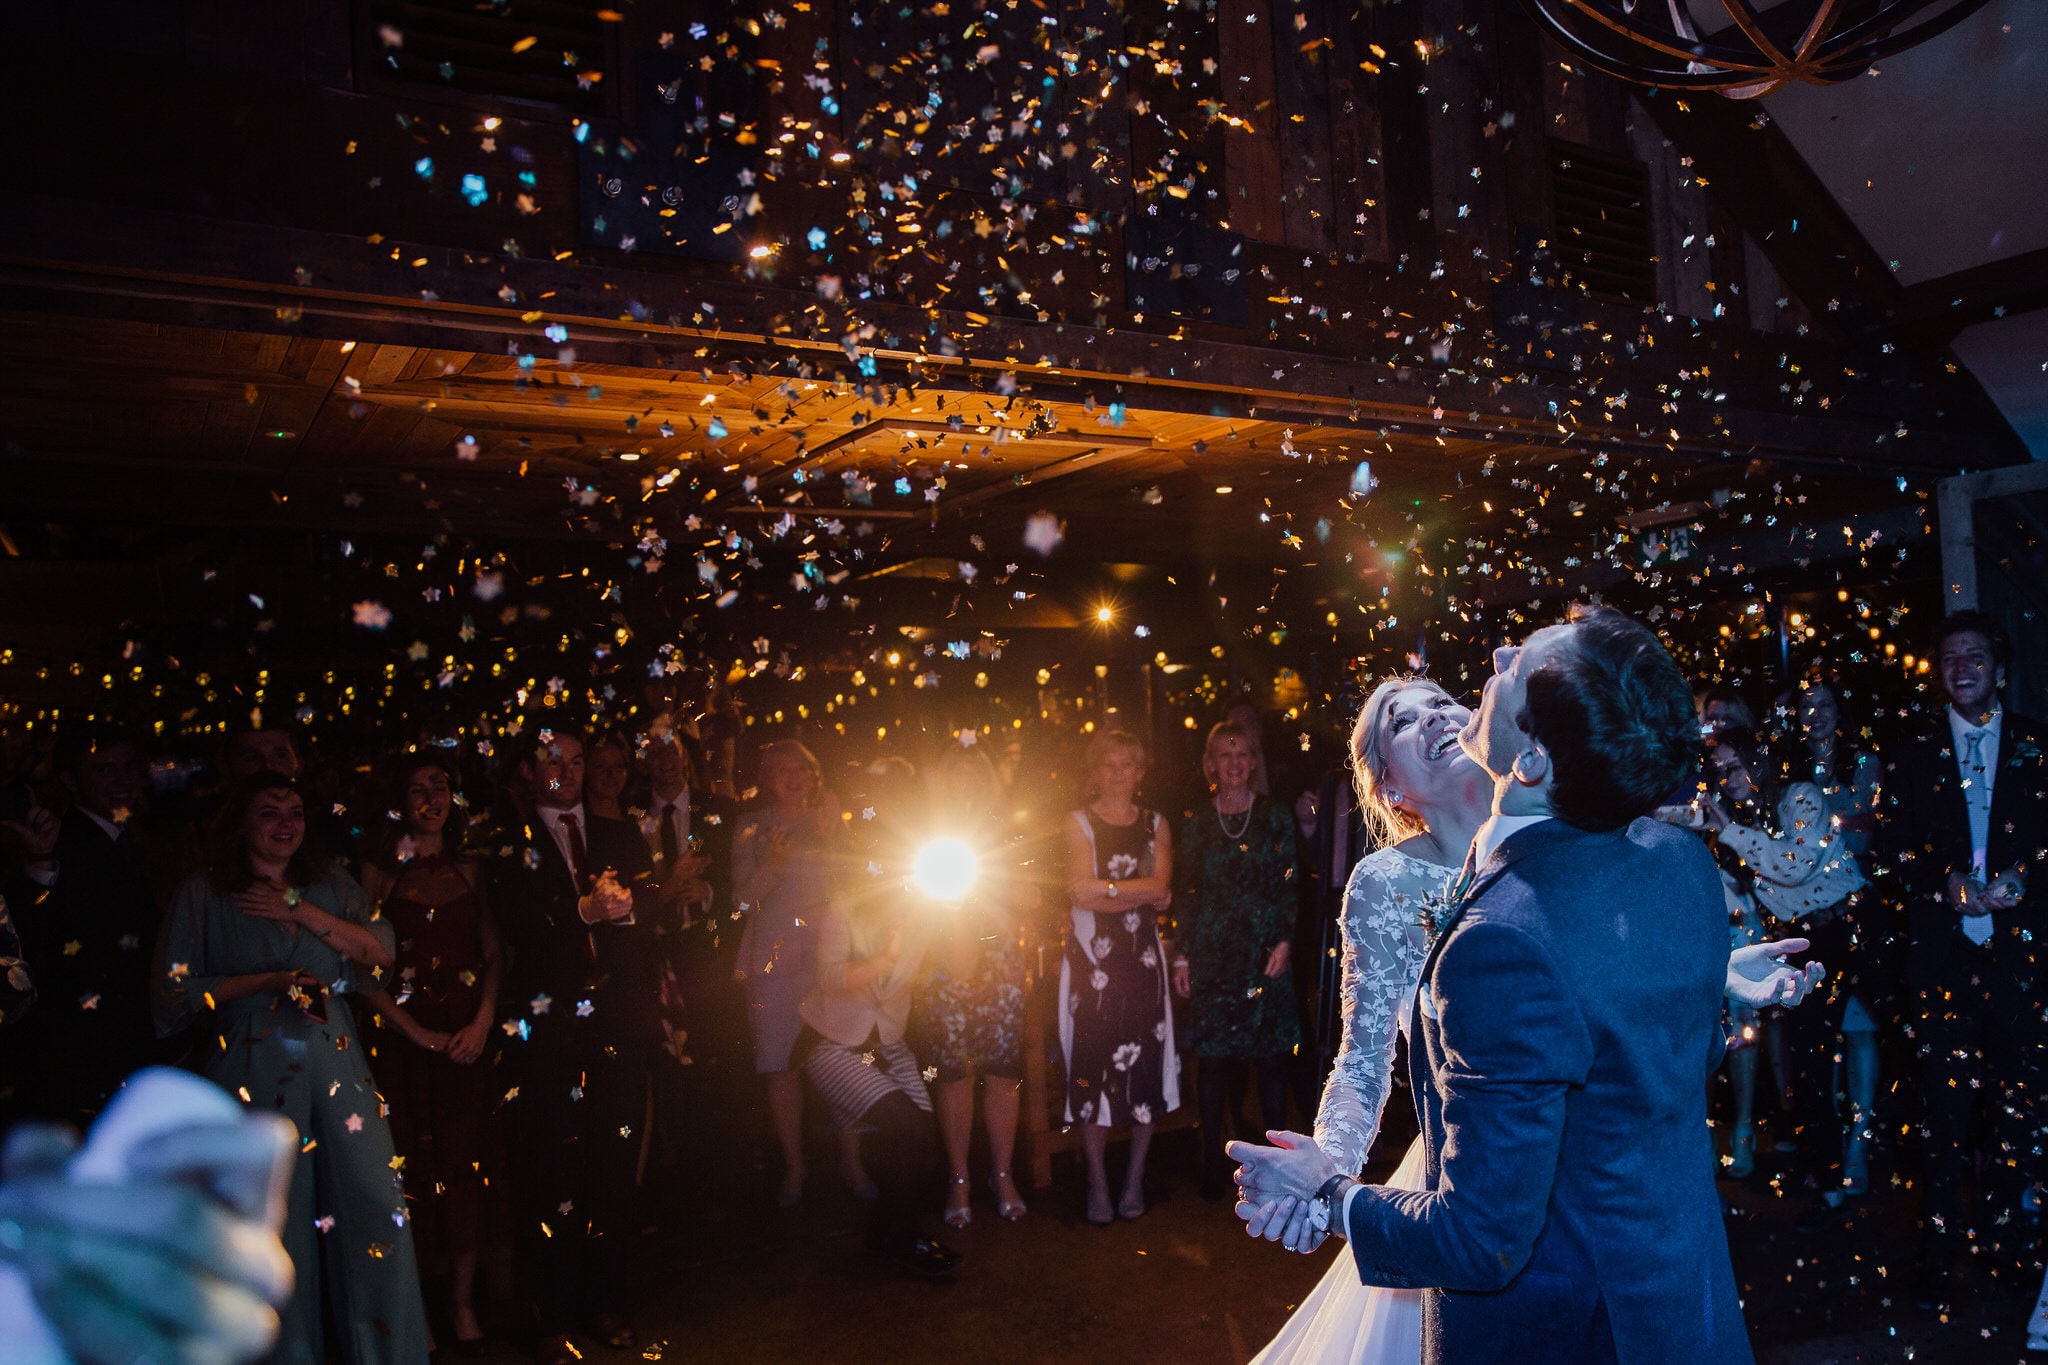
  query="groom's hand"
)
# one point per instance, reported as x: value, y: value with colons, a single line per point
x: 1759, y: 976
x: 1276, y: 1183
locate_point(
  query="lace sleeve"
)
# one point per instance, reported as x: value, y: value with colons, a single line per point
x: 1383, y: 952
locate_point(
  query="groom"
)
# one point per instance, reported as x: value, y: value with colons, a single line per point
x: 1567, y: 1019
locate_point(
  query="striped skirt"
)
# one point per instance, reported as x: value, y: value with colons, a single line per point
x: 853, y: 1080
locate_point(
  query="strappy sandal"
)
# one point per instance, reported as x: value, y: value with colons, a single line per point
x: 960, y: 1217
x: 1010, y: 1209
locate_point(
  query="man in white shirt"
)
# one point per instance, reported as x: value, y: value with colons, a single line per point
x: 1964, y: 825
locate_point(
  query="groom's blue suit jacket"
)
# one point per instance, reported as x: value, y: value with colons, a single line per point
x: 1566, y: 1023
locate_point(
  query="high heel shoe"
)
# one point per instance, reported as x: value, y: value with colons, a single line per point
x: 1742, y: 1152
x: 1010, y: 1209
x: 960, y: 1216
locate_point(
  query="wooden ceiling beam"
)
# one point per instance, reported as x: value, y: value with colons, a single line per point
x: 1940, y: 308
x: 61, y: 257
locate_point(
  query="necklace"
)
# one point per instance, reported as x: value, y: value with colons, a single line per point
x: 1228, y: 833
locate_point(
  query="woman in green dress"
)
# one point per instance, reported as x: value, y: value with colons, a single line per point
x: 265, y: 945
x: 1234, y: 903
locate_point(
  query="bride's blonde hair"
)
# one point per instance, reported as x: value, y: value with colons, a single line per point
x: 1386, y: 822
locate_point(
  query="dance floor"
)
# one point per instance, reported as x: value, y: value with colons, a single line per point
x: 1184, y: 1285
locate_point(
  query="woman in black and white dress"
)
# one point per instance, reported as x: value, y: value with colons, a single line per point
x: 1116, y: 1024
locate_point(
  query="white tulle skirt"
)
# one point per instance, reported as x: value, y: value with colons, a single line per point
x: 1344, y: 1321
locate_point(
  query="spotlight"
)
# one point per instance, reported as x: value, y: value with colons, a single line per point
x: 945, y: 870
x: 1104, y: 615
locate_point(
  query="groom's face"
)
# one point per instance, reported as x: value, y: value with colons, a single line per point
x: 1495, y: 737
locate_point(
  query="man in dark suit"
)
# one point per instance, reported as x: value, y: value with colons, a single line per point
x: 578, y: 904
x: 1964, y: 826
x: 88, y: 931
x: 1565, y: 1025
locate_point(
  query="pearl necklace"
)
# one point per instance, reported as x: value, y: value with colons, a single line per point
x: 1234, y: 835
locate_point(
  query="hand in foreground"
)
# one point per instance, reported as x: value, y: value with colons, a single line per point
x: 1275, y: 1185
x: 1276, y: 960
x: 1758, y: 974
x: 179, y: 1262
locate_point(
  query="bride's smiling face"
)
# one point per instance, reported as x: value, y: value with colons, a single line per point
x: 1420, y: 741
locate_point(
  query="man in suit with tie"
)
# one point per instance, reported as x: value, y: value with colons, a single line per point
x: 88, y: 931
x: 1964, y: 827
x: 578, y: 904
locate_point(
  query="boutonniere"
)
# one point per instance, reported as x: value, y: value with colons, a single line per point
x: 2026, y: 751
x: 1435, y: 909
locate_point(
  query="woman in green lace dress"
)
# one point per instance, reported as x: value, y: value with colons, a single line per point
x: 1234, y: 902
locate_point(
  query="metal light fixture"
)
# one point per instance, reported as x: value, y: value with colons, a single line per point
x: 1743, y: 48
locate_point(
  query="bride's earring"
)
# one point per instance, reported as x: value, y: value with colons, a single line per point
x: 1393, y: 798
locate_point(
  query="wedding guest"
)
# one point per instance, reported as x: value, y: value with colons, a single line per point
x: 690, y: 829
x: 870, y: 948
x: 1245, y: 717
x: 89, y: 927
x: 1807, y: 882
x: 1115, y: 1021
x: 970, y: 1012
x: 1732, y: 790
x: 265, y: 946
x: 608, y: 771
x: 783, y: 879
x: 1847, y: 773
x: 577, y: 904
x: 255, y: 749
x: 710, y: 1076
x: 1234, y: 913
x: 1723, y: 708
x: 436, y: 1013
x: 1964, y: 829
x: 719, y: 726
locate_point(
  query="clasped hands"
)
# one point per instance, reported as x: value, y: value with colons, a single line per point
x: 1275, y: 1186
x: 1968, y: 896
x: 607, y: 903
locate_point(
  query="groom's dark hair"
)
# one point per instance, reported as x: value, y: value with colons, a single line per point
x: 1616, y: 717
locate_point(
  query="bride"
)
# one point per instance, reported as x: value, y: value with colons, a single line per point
x: 1425, y: 800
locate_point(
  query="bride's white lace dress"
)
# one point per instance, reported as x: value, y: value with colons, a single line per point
x: 1385, y: 941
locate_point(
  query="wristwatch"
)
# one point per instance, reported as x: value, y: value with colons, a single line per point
x: 1322, y: 1208
x: 1111, y: 891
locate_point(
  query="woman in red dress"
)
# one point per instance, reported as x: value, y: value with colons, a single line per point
x: 434, y: 1013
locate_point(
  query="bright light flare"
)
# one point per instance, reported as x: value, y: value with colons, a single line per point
x: 945, y: 870
x: 1105, y: 614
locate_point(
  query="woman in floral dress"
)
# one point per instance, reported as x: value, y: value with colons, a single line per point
x: 1116, y: 1024
x: 1235, y: 908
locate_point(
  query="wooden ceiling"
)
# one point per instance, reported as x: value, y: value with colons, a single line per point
x: 150, y: 424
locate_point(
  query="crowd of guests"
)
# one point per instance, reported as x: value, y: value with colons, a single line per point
x: 503, y: 996
x: 1903, y: 853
